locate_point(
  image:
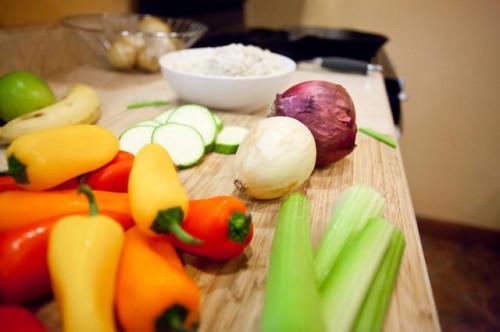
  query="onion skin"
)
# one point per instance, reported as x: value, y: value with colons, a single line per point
x: 276, y: 157
x: 328, y: 111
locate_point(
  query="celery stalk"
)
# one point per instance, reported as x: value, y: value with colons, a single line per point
x: 372, y: 313
x: 291, y: 301
x: 355, y: 206
x: 348, y: 282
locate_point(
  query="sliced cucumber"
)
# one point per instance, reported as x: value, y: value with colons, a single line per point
x: 163, y: 117
x: 218, y: 122
x: 229, y: 139
x: 184, y: 143
x: 148, y: 123
x: 134, y: 138
x: 198, y: 117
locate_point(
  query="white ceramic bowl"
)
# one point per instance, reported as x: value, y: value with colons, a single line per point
x: 238, y: 94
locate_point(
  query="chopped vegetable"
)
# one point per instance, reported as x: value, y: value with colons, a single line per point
x: 163, y: 116
x: 328, y: 111
x: 198, y: 117
x: 276, y: 157
x: 222, y: 222
x: 370, y: 317
x: 148, y: 123
x: 158, y: 201
x: 83, y: 259
x: 229, y: 139
x: 183, y: 143
x: 48, y: 157
x: 135, y: 138
x: 151, y: 103
x: 291, y: 301
x: 218, y: 122
x: 348, y: 282
x: 354, y: 208
x: 386, y: 139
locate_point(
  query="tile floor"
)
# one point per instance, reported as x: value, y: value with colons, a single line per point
x: 465, y: 278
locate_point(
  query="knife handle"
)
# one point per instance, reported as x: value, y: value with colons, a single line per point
x: 348, y: 65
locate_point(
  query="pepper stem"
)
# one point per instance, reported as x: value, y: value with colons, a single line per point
x: 173, y: 319
x: 87, y: 191
x: 16, y: 169
x: 239, y: 226
x: 169, y: 221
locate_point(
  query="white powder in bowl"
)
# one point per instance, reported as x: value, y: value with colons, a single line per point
x: 234, y: 60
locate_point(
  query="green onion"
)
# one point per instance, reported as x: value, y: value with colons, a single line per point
x: 355, y: 207
x: 291, y: 301
x: 151, y: 103
x: 348, y: 282
x: 378, y: 136
x: 371, y: 316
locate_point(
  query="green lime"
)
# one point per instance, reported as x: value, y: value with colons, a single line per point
x: 22, y: 92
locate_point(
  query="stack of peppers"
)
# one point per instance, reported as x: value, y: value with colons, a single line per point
x: 47, y: 238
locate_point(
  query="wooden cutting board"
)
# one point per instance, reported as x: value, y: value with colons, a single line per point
x: 232, y: 292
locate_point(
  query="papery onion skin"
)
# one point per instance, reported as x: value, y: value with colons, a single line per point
x: 277, y: 156
x: 328, y: 111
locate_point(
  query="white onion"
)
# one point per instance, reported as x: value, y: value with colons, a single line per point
x: 276, y: 157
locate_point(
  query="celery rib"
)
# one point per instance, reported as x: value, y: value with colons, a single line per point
x: 355, y: 207
x: 291, y: 301
x: 372, y: 314
x: 350, y: 278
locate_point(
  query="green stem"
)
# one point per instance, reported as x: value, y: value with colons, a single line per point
x: 239, y: 226
x: 147, y: 104
x: 169, y: 221
x: 386, y: 139
x: 87, y: 191
x: 16, y: 169
x: 172, y: 320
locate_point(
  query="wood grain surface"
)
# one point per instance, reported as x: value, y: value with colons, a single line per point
x: 233, y: 291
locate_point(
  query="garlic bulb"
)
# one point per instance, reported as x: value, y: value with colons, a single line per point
x: 276, y: 157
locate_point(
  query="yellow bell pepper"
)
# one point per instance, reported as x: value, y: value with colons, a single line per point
x: 48, y: 157
x: 83, y: 258
x: 158, y: 201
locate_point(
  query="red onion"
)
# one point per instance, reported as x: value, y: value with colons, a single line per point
x: 328, y: 111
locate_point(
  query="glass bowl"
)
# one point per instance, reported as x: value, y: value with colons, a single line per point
x: 132, y: 41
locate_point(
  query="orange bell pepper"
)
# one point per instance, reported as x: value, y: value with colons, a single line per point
x: 20, y: 208
x: 153, y: 292
x: 8, y: 183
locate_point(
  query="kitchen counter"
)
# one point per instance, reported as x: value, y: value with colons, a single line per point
x: 233, y: 291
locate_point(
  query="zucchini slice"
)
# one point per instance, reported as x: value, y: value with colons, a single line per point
x: 229, y: 139
x: 134, y: 138
x: 163, y: 117
x: 183, y: 143
x: 198, y: 117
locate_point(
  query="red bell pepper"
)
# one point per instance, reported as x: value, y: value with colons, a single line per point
x: 24, y: 275
x: 19, y: 319
x: 222, y: 223
x: 114, y: 175
x: 8, y: 183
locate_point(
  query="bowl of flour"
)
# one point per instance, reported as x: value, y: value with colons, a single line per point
x: 236, y: 77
